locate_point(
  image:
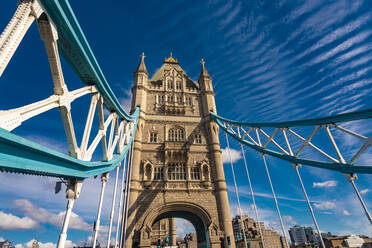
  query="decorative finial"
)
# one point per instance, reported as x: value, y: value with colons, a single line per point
x: 171, y: 59
x: 202, y: 62
x: 143, y: 56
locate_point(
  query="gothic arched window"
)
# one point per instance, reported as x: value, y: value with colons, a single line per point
x: 153, y: 137
x: 176, y: 171
x: 198, y: 138
x: 158, y: 173
x: 189, y: 101
x: 194, y: 173
x: 178, y: 85
x: 176, y: 134
x: 161, y: 99
x: 170, y: 84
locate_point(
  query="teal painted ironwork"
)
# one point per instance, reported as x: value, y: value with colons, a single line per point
x: 358, y: 115
x: 75, y: 48
x: 20, y: 155
x: 341, y: 167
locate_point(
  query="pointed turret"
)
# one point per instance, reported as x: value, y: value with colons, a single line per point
x: 205, y: 81
x: 141, y: 77
x: 206, y: 88
x: 204, y: 73
x: 142, y: 67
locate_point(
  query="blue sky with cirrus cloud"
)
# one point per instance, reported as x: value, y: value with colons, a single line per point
x: 269, y: 60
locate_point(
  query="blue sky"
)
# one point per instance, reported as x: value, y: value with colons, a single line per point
x: 269, y: 60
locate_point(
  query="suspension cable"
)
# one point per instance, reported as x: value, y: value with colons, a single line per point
x: 113, y: 205
x: 275, y: 200
x: 303, y: 189
x: 120, y: 203
x: 123, y: 234
x: 236, y: 191
x: 272, y: 190
x: 104, y: 179
x: 309, y: 205
x: 253, y: 199
x: 361, y: 200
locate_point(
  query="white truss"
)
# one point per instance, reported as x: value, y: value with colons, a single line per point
x: 119, y: 131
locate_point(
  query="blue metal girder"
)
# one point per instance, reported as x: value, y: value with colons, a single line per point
x: 358, y: 115
x: 20, y: 155
x: 344, y: 168
x: 75, y: 48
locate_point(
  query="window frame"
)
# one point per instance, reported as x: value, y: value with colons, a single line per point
x: 153, y: 137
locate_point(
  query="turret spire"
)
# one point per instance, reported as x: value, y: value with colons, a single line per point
x: 142, y: 67
x: 204, y: 72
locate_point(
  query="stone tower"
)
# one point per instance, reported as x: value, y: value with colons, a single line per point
x: 177, y: 162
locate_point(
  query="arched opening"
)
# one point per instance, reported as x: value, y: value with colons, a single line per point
x: 195, y: 221
x: 183, y: 233
x: 196, y: 215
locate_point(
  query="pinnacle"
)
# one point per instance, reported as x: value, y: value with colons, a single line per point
x: 142, y: 67
x: 204, y: 72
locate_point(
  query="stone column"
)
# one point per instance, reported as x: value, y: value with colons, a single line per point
x: 172, y: 232
x: 221, y: 189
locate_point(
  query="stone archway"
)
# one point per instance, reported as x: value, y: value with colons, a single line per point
x: 206, y: 230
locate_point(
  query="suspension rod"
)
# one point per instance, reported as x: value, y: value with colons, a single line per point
x: 275, y: 200
x: 113, y: 206
x: 126, y: 199
x: 236, y: 191
x: 253, y: 199
x: 272, y: 191
x: 351, y: 177
x: 118, y: 221
x: 309, y: 205
x: 104, y: 179
x: 361, y: 201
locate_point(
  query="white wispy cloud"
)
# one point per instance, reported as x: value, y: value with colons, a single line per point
x: 289, y: 219
x: 126, y: 98
x: 183, y: 227
x: 364, y: 191
x: 326, y: 184
x: 42, y: 215
x: 327, y: 205
x: 244, y: 191
x: 10, y: 222
x: 345, y: 212
x: 230, y: 17
x: 235, y: 155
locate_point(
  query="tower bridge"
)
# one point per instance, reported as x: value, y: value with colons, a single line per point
x: 168, y: 146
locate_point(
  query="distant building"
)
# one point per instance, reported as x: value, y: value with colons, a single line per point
x: 310, y: 235
x: 160, y: 233
x: 298, y: 235
x: 352, y: 241
x: 271, y: 238
x: 35, y: 244
x: 189, y: 241
x: 6, y: 244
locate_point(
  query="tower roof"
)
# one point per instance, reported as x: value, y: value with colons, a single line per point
x: 170, y: 64
x: 142, y: 67
x: 204, y: 72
